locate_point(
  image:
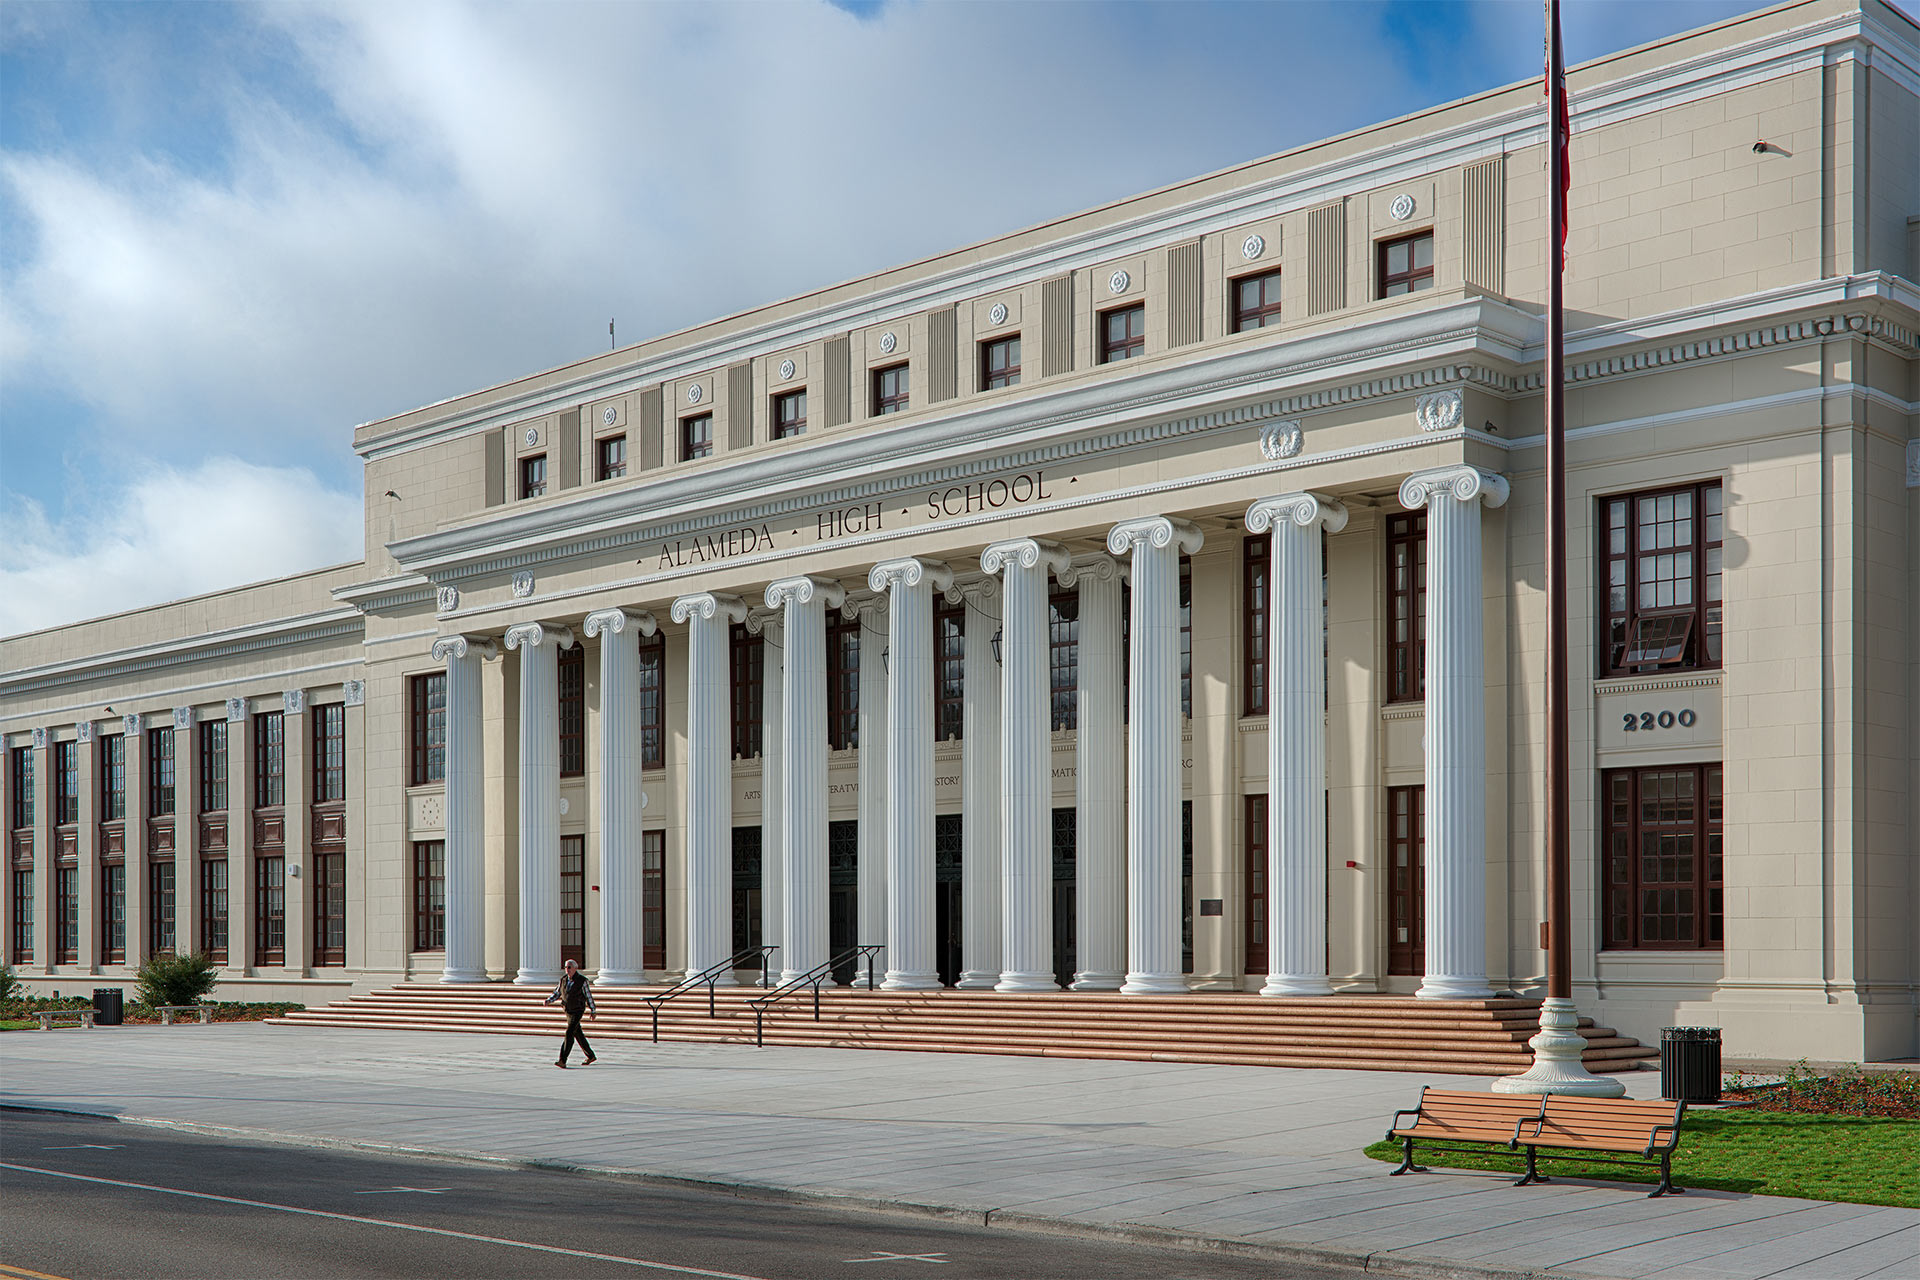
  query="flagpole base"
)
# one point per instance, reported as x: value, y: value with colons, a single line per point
x: 1558, y: 1066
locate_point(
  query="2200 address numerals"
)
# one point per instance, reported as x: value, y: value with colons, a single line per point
x: 1639, y: 721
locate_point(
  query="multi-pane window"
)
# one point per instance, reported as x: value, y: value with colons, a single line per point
x: 270, y: 910
x: 653, y: 899
x: 66, y: 782
x: 1407, y: 606
x: 213, y: 909
x: 20, y: 762
x: 66, y: 915
x: 843, y: 683
x: 653, y: 701
x: 610, y: 462
x: 789, y: 414
x: 113, y: 777
x: 269, y: 760
x: 748, y: 881
x: 1063, y: 658
x: 1256, y: 884
x: 429, y: 895
x: 22, y: 914
x: 1186, y: 638
x: 1123, y: 333
x: 746, y: 672
x: 533, y: 476
x: 1407, y: 881
x: 1662, y: 858
x: 949, y: 671
x: 1256, y: 304
x: 160, y: 800
x: 573, y: 711
x: 890, y: 389
x: 1000, y: 363
x: 696, y: 437
x: 329, y: 753
x: 1253, y: 631
x: 330, y: 907
x: 1660, y: 579
x: 213, y: 766
x: 573, y: 899
x: 1406, y: 265
x: 427, y: 718
x: 160, y: 908
x: 113, y: 913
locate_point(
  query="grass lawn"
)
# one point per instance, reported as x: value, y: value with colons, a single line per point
x: 1859, y: 1160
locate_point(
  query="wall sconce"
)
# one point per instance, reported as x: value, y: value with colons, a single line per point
x: 885, y: 653
x: 995, y: 642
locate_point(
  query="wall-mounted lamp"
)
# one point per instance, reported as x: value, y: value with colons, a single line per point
x: 995, y: 642
x: 885, y: 651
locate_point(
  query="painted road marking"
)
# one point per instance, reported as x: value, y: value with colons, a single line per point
x: 84, y: 1146
x: 881, y: 1255
x: 396, y: 1226
x: 392, y: 1191
x: 8, y: 1269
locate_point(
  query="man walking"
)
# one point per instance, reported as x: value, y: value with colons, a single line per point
x: 576, y: 994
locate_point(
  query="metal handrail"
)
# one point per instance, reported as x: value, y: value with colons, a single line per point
x: 708, y: 977
x: 813, y: 978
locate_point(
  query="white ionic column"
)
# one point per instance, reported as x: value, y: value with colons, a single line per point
x: 620, y: 796
x: 539, y: 645
x: 709, y: 779
x: 1026, y: 767
x: 803, y: 786
x: 871, y: 858
x: 1153, y: 751
x: 1100, y: 785
x: 1296, y: 742
x: 980, y: 791
x: 465, y: 863
x: 766, y: 625
x: 909, y: 584
x: 1456, y: 729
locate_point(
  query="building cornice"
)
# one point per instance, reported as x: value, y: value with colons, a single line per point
x: 259, y: 637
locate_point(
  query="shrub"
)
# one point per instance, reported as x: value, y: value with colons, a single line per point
x: 176, y: 979
x: 9, y: 984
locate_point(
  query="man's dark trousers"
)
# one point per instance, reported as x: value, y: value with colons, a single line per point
x: 575, y: 1033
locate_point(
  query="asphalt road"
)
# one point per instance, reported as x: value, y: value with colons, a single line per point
x: 95, y: 1199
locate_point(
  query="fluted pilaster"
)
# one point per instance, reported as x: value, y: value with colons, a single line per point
x: 803, y: 791
x: 619, y: 795
x: 980, y: 791
x: 539, y: 646
x: 1100, y: 796
x: 1456, y: 729
x: 465, y: 958
x: 709, y: 812
x: 875, y: 803
x: 1296, y: 742
x: 1153, y: 751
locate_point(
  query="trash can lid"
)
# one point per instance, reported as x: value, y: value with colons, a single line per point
x: 1689, y: 1033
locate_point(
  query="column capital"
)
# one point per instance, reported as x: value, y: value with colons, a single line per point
x: 614, y: 621
x: 764, y: 622
x: 531, y: 635
x: 910, y: 571
x: 982, y: 593
x: 1025, y: 553
x: 1462, y: 482
x: 1303, y: 509
x: 460, y: 646
x: 705, y: 604
x: 1156, y: 531
x: 131, y: 725
x: 1096, y: 568
x: 803, y: 589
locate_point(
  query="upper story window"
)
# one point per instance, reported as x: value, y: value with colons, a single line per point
x: 949, y: 671
x: 789, y: 414
x: 890, y: 390
x: 213, y: 766
x: 1000, y: 363
x: 533, y: 476
x: 1123, y: 333
x: 653, y: 701
x: 20, y: 760
x: 269, y: 760
x: 1063, y: 659
x: 611, y: 460
x: 1660, y: 579
x: 843, y: 682
x: 1253, y: 628
x: 1256, y: 301
x: 160, y: 801
x: 113, y: 778
x: 329, y: 753
x: 696, y: 437
x: 573, y: 711
x: 1407, y: 606
x: 66, y: 782
x: 1406, y: 265
x: 427, y: 723
x: 746, y: 670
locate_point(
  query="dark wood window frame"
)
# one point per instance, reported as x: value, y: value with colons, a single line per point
x: 22, y: 950
x: 1256, y: 301
x: 1063, y: 659
x: 329, y: 752
x: 533, y: 476
x: 696, y: 437
x: 269, y: 760
x: 161, y: 800
x: 20, y: 764
x: 653, y: 899
x: 1129, y: 339
x: 1407, y: 606
x: 1660, y: 579
x: 66, y: 913
x: 429, y: 895
x: 571, y: 665
x: 573, y: 899
x: 113, y: 777
x: 270, y: 910
x: 162, y: 908
x: 66, y: 783
x: 746, y: 687
x: 788, y: 414
x: 1397, y: 278
x: 213, y: 766
x: 1406, y: 881
x: 215, y: 908
x: 892, y: 389
x: 610, y: 457
x: 427, y: 723
x: 1255, y: 617
x: 329, y: 907
x: 1000, y: 362
x: 949, y: 671
x: 843, y: 682
x: 653, y: 701
x: 1258, y: 900
x: 1661, y: 858
x: 113, y: 912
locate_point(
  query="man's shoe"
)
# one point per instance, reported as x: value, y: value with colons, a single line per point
x: 591, y: 1059
x: 561, y: 1065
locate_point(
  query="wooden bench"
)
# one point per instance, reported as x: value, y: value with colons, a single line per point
x: 79, y: 1017
x: 204, y: 1012
x: 1559, y: 1122
x: 1446, y: 1116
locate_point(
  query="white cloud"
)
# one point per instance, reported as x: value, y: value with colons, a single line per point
x: 171, y: 533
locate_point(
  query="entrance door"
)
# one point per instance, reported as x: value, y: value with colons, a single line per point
x: 1065, y: 843
x: 1407, y: 890
x: 946, y: 897
x: 653, y: 899
x: 1256, y: 884
x: 573, y: 899
x: 843, y: 895
x: 746, y: 888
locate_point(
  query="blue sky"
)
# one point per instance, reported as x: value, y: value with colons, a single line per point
x: 231, y: 232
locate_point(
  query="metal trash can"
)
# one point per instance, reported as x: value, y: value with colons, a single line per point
x: 109, y: 1006
x: 1690, y: 1064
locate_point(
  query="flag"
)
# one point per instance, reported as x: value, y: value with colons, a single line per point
x: 1555, y: 88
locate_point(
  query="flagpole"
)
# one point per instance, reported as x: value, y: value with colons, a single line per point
x: 1559, y: 1047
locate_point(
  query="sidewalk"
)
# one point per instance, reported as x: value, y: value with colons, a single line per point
x: 1259, y: 1156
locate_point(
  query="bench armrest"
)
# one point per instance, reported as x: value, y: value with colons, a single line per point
x: 1394, y: 1123
x: 1653, y: 1138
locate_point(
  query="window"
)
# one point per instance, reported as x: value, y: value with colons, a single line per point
x: 533, y: 476
x: 160, y: 773
x: 329, y: 753
x: 1253, y: 632
x: 427, y: 700
x: 66, y: 915
x: 269, y: 760
x: 22, y: 914
x: 1407, y: 886
x: 890, y: 390
x: 1407, y: 607
x: 1186, y: 638
x: 611, y: 462
x: 113, y: 778
x: 653, y: 701
x: 1123, y: 333
x: 1660, y: 575
x: 573, y: 711
x: 329, y: 907
x: 746, y: 669
x: 430, y: 895
x: 20, y: 761
x: 160, y: 913
x: 747, y: 882
x: 696, y: 437
x: 1256, y: 884
x: 213, y: 909
x: 1000, y: 363
x: 843, y: 682
x: 66, y: 783
x: 1406, y: 265
x: 113, y: 913
x: 213, y: 766
x: 1256, y: 304
x: 789, y: 415
x: 949, y: 671
x: 573, y: 899
x: 270, y: 910
x: 1063, y: 658
x: 1662, y: 858
x: 653, y: 899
